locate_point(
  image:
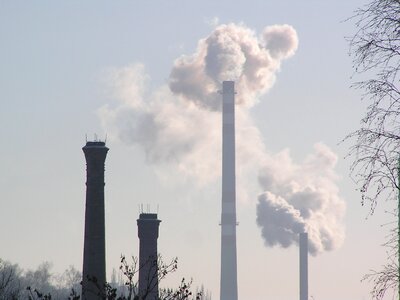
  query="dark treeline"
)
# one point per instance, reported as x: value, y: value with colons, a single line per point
x: 14, y: 281
x: 17, y: 283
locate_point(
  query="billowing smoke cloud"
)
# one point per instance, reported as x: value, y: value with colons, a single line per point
x: 233, y: 52
x: 181, y: 125
x: 179, y: 128
x: 301, y: 198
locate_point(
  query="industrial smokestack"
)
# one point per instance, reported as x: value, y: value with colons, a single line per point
x: 148, y: 225
x: 228, y: 288
x: 94, y: 252
x: 303, y: 247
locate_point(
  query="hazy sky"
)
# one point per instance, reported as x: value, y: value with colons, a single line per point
x: 72, y: 68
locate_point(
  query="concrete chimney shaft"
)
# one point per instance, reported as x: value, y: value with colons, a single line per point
x: 148, y: 225
x: 303, y: 247
x: 228, y: 284
x: 94, y: 253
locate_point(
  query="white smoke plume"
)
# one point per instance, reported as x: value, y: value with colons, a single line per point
x: 179, y: 128
x: 181, y: 125
x: 233, y: 52
x: 301, y: 198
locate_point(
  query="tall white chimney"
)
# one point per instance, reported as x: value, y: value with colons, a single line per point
x: 303, y: 246
x: 228, y: 287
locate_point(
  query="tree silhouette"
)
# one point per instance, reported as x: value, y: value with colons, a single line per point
x: 375, y: 48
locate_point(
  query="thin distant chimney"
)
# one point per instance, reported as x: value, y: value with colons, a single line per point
x: 148, y: 225
x: 303, y: 247
x: 94, y: 252
x: 228, y: 287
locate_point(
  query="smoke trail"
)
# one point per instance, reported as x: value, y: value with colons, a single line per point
x: 179, y: 128
x: 301, y: 198
x: 181, y: 125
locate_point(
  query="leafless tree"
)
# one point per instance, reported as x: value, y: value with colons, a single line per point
x: 183, y: 292
x: 375, y: 49
x: 158, y: 270
x: 10, y: 286
x: 376, y: 55
x: 42, y: 284
x: 386, y: 279
x: 16, y: 283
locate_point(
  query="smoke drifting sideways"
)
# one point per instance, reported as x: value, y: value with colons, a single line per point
x: 179, y: 125
x: 179, y: 128
x: 301, y: 198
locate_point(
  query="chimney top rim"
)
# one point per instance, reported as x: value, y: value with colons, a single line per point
x: 96, y: 144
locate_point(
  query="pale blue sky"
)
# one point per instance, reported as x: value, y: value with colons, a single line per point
x: 54, y: 61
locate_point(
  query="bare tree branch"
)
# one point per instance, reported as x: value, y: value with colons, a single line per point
x: 375, y: 49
